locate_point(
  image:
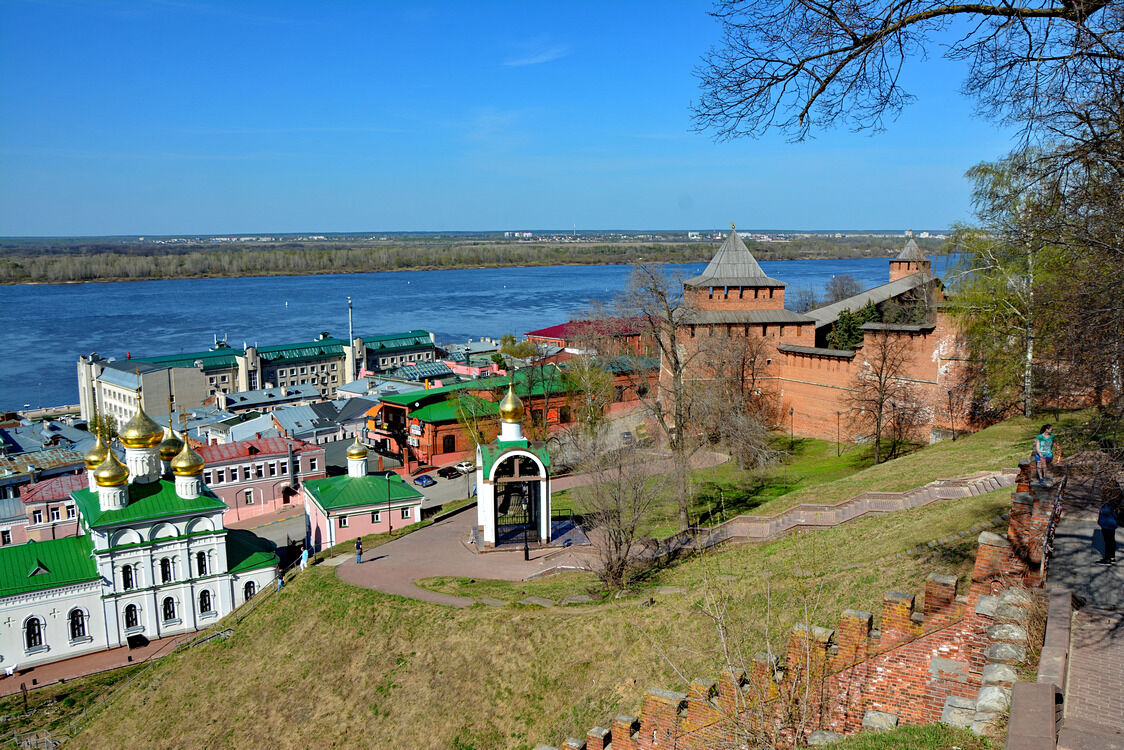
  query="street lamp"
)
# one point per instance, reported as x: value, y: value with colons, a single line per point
x: 951, y: 421
x: 389, y: 521
x: 791, y: 427
x: 838, y: 414
x: 526, y: 526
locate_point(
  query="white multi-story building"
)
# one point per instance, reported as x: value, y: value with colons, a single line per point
x: 151, y: 558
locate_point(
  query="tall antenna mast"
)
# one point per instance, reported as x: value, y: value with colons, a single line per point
x: 351, y: 340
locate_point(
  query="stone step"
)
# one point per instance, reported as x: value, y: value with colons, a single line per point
x: 1081, y: 734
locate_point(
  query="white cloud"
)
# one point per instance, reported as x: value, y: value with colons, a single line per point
x: 538, y: 54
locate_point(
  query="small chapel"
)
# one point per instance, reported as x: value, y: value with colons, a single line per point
x: 151, y: 557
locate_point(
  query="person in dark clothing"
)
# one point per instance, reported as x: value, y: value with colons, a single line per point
x: 358, y: 550
x: 1108, y: 520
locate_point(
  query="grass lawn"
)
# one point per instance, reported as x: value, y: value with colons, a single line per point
x: 52, y: 708
x: 814, y: 474
x: 327, y: 664
x: 933, y: 737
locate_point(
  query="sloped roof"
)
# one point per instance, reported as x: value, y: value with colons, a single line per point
x: 242, y: 449
x: 741, y: 317
x: 246, y: 551
x: 911, y: 252
x: 733, y: 265
x: 828, y: 314
x: 42, y: 565
x: 339, y: 492
x: 55, y: 488
x: 146, y: 502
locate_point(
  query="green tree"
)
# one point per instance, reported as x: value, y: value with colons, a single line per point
x: 847, y: 333
x: 105, y: 424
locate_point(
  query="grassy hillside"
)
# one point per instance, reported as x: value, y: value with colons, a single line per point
x: 329, y: 665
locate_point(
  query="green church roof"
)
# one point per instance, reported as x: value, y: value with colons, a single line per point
x: 42, y: 565
x: 146, y: 502
x: 339, y: 492
x: 489, y: 454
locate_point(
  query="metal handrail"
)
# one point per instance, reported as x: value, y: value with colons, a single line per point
x: 1048, y: 539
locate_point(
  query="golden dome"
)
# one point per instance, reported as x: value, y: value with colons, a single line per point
x: 97, y: 454
x: 511, y: 408
x: 111, y: 472
x: 170, y: 446
x: 357, y: 449
x: 141, y: 431
x: 187, y: 462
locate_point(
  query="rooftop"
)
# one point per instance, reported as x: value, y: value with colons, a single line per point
x: 53, y: 460
x: 243, y: 449
x: 422, y: 371
x: 572, y: 328
x: 828, y: 314
x: 266, y: 396
x: 911, y: 251
x: 26, y: 438
x: 42, y: 565
x: 733, y: 265
x: 146, y: 502
x: 816, y: 351
x: 55, y: 488
x: 341, y: 492
x: 742, y: 317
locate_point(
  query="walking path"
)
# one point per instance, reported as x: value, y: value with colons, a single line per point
x: 440, y: 549
x: 1094, y: 696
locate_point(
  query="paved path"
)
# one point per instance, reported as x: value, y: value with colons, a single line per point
x: 1094, y: 701
x: 80, y: 666
x: 439, y: 550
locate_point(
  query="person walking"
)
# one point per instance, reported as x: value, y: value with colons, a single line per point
x: 304, y: 558
x: 358, y: 550
x: 280, y: 579
x: 1108, y: 521
x: 1044, y: 452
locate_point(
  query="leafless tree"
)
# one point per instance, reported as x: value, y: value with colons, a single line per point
x: 802, y: 299
x: 615, y: 505
x: 879, y: 386
x: 840, y: 287
x: 1052, y: 66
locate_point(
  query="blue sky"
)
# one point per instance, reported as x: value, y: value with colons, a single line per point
x: 166, y: 117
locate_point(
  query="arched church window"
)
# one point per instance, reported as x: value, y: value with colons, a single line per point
x: 33, y: 633
x: 165, y: 571
x: 169, y: 609
x: 249, y: 590
x: 204, y: 601
x: 132, y: 616
x: 201, y: 563
x: 126, y: 577
x: 77, y: 624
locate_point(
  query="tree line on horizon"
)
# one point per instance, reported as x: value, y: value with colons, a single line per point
x: 101, y: 261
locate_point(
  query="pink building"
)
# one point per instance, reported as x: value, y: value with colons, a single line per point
x: 262, y: 475
x: 342, y: 508
x: 50, y: 510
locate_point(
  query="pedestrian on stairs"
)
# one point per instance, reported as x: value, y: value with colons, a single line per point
x: 1108, y: 520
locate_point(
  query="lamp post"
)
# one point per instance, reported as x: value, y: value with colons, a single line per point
x: 951, y: 421
x: 389, y: 521
x: 526, y: 525
x: 791, y: 427
x: 838, y: 414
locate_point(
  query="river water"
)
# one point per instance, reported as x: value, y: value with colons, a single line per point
x: 46, y: 327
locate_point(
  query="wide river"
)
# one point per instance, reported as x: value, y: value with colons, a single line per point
x: 46, y: 327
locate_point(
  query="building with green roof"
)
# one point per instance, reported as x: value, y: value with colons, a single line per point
x: 151, y: 559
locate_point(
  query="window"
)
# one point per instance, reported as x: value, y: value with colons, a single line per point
x: 56, y: 513
x: 259, y: 470
x: 201, y: 563
x: 126, y: 577
x: 33, y: 634
x: 220, y: 476
x: 272, y: 468
x: 204, y: 602
x: 249, y: 497
x: 312, y: 464
x: 77, y: 624
x: 284, y: 468
x: 132, y: 617
x: 376, y: 516
x: 448, y: 443
x: 249, y: 591
x: 207, y: 477
x: 304, y: 371
x: 165, y: 571
x: 70, y: 511
x: 406, y: 513
x: 169, y: 609
x: 342, y: 522
x: 5, y: 538
x: 37, y: 516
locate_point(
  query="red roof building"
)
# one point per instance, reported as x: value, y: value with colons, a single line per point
x: 259, y: 476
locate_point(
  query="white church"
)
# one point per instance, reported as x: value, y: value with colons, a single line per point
x: 151, y: 558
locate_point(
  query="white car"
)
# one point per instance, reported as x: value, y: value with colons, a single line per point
x: 465, y: 466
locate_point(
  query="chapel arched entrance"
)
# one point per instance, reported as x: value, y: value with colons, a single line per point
x: 517, y: 505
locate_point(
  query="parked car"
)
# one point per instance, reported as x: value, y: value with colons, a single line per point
x: 465, y: 466
x: 425, y: 480
x: 448, y: 472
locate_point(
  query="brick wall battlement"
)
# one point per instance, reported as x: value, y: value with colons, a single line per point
x: 950, y: 659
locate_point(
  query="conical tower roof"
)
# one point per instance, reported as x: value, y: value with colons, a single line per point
x: 911, y: 251
x: 733, y: 265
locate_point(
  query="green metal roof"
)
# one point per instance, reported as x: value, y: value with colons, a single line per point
x: 246, y: 551
x: 214, y: 359
x: 446, y: 411
x: 395, y: 341
x: 42, y: 565
x: 339, y: 492
x: 146, y: 502
x: 489, y: 454
x: 321, y: 349
x: 527, y: 382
